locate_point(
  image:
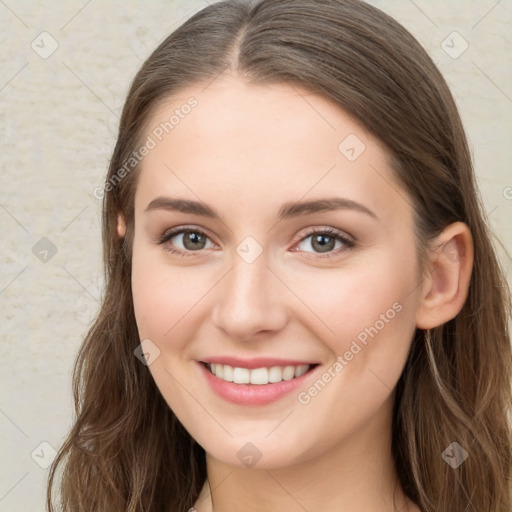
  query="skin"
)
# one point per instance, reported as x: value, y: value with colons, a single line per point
x: 244, y: 151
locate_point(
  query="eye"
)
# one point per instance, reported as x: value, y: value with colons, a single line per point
x: 324, y: 241
x: 184, y: 241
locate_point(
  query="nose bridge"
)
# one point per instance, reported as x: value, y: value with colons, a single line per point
x: 248, y: 300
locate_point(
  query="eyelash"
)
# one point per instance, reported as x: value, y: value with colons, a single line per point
x: 166, y: 236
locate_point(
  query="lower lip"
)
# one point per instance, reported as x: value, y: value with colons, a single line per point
x: 252, y: 394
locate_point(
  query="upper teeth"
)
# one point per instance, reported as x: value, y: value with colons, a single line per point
x: 257, y: 375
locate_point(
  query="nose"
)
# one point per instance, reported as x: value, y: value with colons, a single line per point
x: 249, y: 301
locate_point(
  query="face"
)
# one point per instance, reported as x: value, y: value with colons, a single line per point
x: 247, y: 276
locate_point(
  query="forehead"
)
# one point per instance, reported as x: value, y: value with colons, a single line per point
x: 261, y: 145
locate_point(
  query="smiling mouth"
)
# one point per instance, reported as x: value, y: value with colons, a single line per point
x: 259, y: 376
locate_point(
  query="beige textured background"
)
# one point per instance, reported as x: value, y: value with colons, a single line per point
x: 58, y: 117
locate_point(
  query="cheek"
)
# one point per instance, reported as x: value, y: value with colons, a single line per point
x: 377, y: 342
x: 166, y: 298
x: 373, y: 298
x: 153, y: 300
x: 372, y: 313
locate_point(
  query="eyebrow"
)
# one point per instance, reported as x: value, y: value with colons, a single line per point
x: 287, y: 210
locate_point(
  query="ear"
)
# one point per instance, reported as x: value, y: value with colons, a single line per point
x: 121, y: 225
x: 446, y: 286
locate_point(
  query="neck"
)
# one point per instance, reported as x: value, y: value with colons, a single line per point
x: 358, y: 474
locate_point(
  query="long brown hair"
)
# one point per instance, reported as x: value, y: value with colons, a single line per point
x: 126, y: 450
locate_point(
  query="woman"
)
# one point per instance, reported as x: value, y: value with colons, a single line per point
x: 303, y: 308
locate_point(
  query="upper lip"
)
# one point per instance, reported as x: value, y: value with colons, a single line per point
x: 256, y: 362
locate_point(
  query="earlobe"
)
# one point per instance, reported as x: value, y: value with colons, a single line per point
x: 445, y: 288
x: 121, y: 225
